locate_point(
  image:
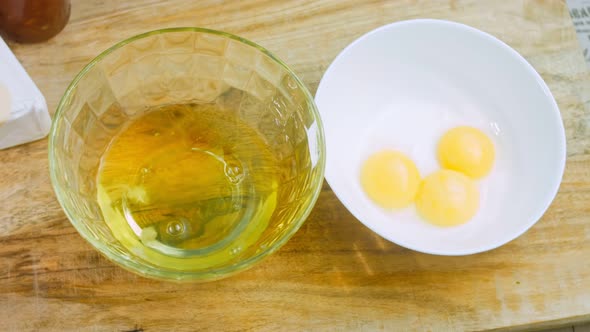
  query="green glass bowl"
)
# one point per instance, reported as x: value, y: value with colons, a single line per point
x: 182, y: 65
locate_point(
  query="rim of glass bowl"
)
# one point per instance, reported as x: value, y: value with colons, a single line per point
x: 185, y: 275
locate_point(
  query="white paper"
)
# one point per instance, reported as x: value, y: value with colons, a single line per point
x: 28, y: 119
x: 580, y: 14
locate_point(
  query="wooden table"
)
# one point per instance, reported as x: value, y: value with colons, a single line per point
x: 334, y: 274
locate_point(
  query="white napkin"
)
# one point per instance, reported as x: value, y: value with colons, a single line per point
x: 23, y: 110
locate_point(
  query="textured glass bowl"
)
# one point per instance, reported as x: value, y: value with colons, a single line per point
x: 183, y: 65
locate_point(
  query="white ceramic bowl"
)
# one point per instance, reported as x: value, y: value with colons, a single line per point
x: 401, y: 86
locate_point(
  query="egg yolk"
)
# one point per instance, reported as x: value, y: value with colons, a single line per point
x: 390, y: 179
x: 447, y: 198
x: 467, y: 150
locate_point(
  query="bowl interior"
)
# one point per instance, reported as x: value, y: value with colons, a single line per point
x: 401, y: 86
x: 185, y: 68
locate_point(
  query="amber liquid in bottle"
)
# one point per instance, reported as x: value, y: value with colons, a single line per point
x: 32, y: 21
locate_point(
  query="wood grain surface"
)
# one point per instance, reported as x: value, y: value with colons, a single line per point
x: 334, y: 274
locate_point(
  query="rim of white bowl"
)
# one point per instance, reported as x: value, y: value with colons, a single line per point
x: 549, y: 196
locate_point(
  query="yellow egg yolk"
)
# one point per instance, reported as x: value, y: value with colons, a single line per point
x: 447, y: 198
x: 467, y: 150
x: 390, y: 179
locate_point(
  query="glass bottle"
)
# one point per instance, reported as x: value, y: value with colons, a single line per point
x: 32, y: 21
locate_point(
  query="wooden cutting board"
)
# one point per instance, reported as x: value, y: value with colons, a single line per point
x: 334, y: 274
